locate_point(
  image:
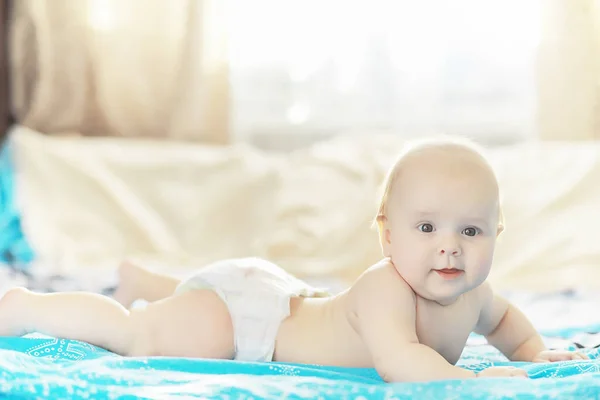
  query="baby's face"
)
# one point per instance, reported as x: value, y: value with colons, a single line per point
x: 442, y: 224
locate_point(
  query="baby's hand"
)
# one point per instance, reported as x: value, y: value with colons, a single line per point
x: 502, y: 372
x: 556, y: 355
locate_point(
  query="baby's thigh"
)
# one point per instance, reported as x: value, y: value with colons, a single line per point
x: 195, y: 323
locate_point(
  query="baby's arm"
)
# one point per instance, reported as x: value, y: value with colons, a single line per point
x: 507, y: 328
x: 384, y: 310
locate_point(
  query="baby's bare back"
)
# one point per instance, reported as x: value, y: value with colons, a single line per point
x: 327, y: 331
x: 318, y: 332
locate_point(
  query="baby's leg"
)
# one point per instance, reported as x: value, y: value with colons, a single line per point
x: 76, y: 315
x: 193, y: 324
x: 136, y: 283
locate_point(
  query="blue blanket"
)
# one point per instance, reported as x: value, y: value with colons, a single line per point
x: 38, y: 366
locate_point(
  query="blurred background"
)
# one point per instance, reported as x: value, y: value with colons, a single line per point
x: 286, y: 73
x: 174, y: 133
x: 186, y: 131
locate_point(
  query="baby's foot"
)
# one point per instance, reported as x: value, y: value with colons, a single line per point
x: 13, y: 311
x: 130, y: 276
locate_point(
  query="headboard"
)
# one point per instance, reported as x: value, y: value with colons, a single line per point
x: 5, y: 114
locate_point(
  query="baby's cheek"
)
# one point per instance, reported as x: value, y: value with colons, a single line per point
x: 481, y: 250
x: 410, y: 262
x: 484, y: 262
x: 406, y: 251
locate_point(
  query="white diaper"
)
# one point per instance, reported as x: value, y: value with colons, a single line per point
x: 257, y: 293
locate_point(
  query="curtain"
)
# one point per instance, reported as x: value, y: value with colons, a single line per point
x: 568, y: 68
x: 4, y: 93
x: 135, y: 68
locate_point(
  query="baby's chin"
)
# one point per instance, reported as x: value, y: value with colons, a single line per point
x: 444, y: 299
x: 444, y: 294
x: 443, y: 291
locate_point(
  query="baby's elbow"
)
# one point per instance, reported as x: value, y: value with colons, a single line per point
x: 390, y: 371
x: 386, y: 375
x: 401, y: 368
x: 393, y: 363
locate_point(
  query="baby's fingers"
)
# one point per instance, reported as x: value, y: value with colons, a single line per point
x: 519, y: 373
x: 557, y: 356
x: 566, y: 356
x: 563, y: 356
x: 580, y: 356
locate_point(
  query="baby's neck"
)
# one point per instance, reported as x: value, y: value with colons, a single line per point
x: 442, y: 302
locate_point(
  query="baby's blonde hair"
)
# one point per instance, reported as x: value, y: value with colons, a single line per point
x: 442, y: 141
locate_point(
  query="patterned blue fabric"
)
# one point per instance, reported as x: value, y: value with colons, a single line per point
x: 14, y: 248
x: 37, y: 366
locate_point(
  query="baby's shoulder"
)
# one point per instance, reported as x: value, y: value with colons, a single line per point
x: 382, y: 270
x: 381, y: 280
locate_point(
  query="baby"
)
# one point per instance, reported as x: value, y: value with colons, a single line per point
x: 408, y: 316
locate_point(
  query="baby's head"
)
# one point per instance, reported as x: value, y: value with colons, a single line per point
x: 439, y: 217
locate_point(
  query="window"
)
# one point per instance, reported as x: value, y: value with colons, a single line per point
x: 310, y: 69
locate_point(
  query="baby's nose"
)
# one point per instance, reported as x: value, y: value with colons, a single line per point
x: 454, y: 251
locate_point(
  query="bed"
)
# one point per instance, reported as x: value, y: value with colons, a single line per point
x: 145, y: 206
x: 42, y: 367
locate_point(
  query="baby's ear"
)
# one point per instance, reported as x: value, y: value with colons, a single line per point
x: 385, y: 240
x: 500, y: 229
x: 500, y: 221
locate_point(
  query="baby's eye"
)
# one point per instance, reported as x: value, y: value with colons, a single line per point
x: 470, y: 231
x: 427, y: 228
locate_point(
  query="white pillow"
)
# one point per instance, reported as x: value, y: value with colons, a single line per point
x: 93, y: 201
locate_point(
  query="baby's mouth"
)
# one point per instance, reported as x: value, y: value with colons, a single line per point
x: 449, y: 273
